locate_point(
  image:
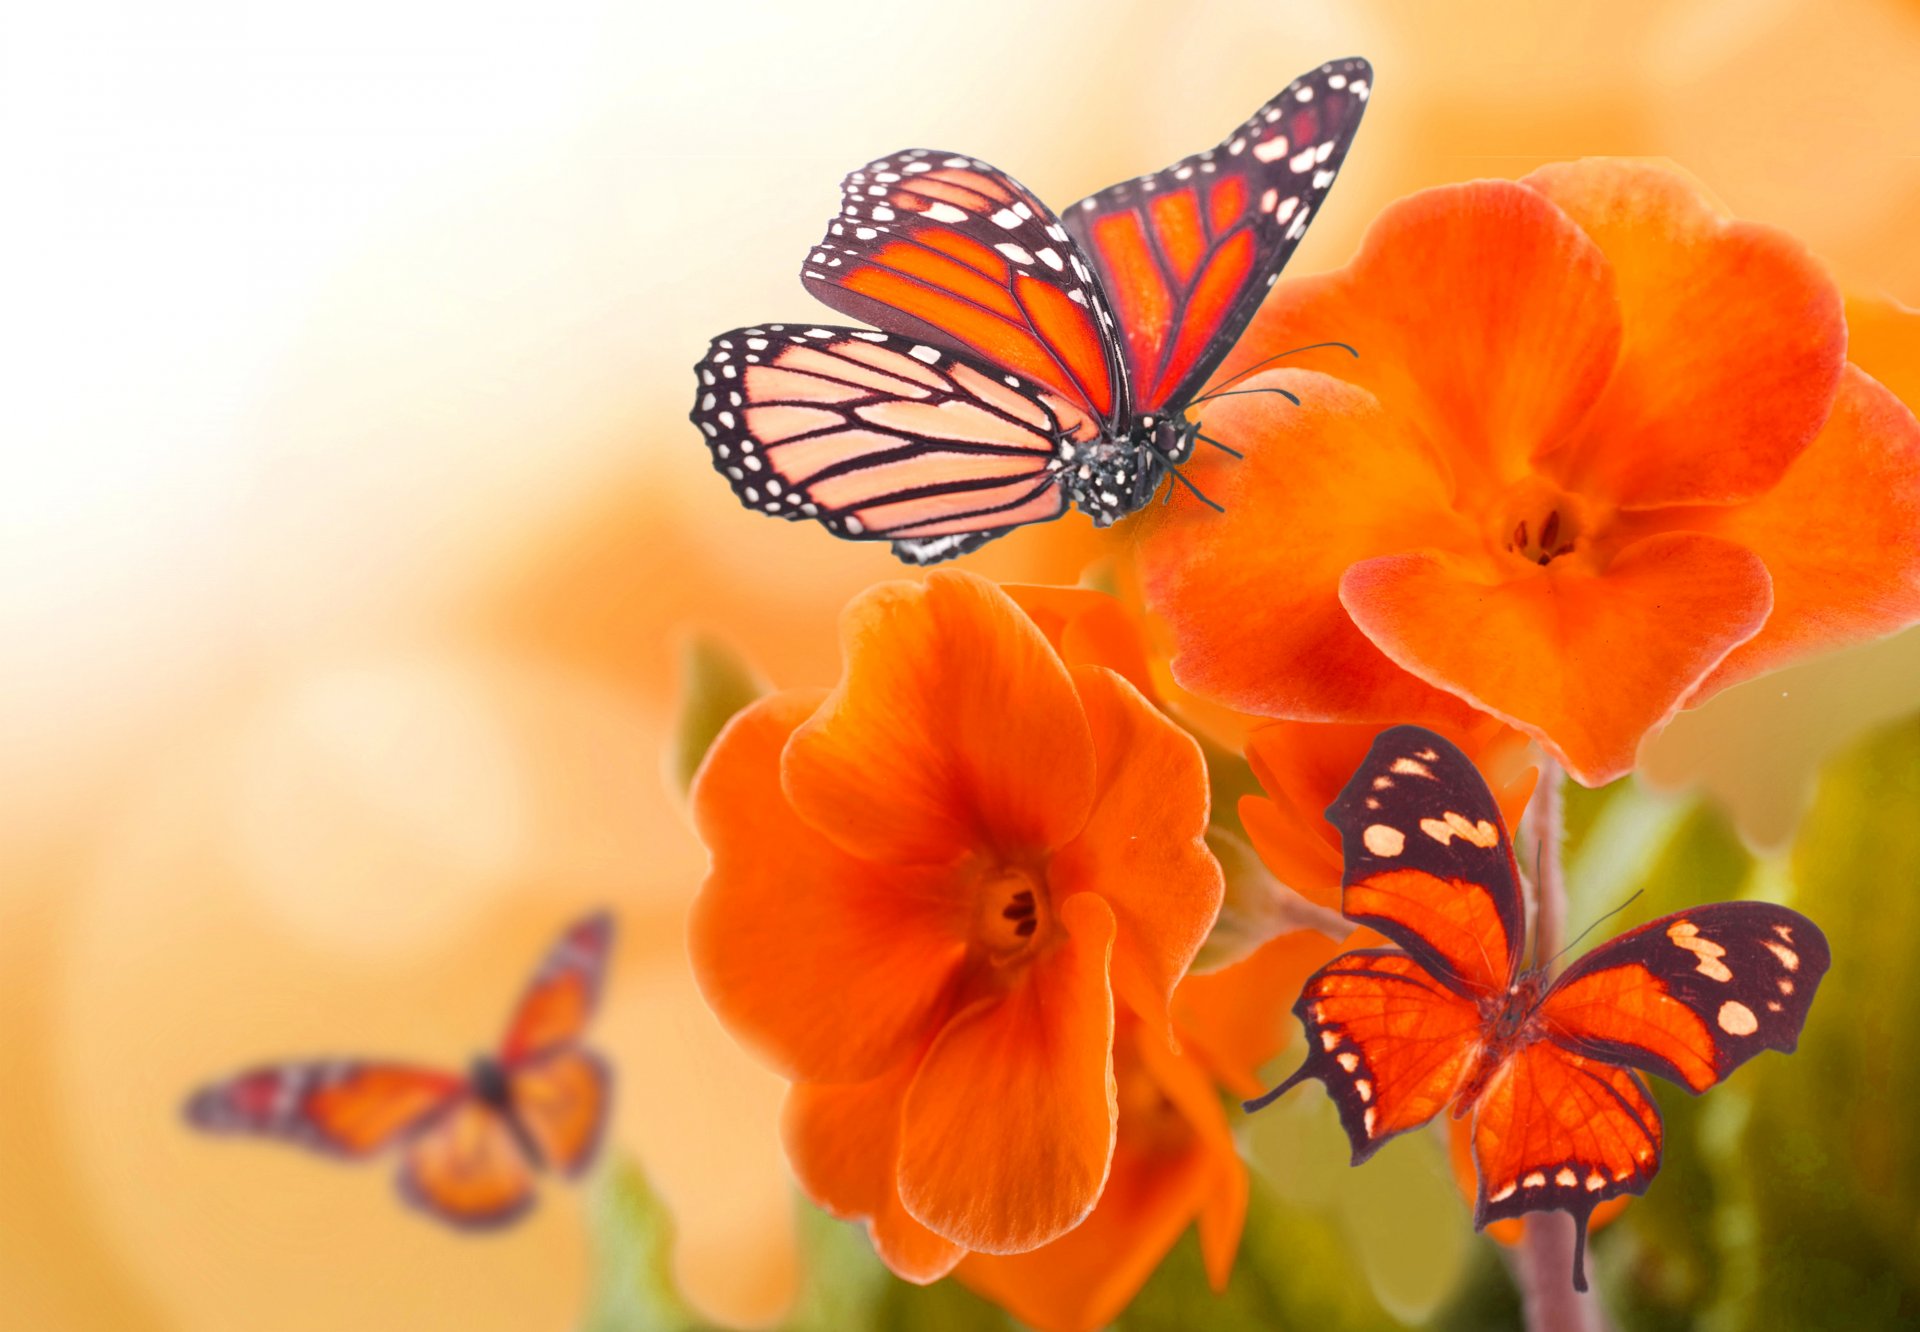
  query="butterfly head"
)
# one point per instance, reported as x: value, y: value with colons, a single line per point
x: 489, y: 1082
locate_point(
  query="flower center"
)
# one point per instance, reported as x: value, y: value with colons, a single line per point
x: 1013, y: 913
x: 1538, y: 523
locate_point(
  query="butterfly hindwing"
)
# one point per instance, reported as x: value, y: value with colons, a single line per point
x: 879, y: 437
x: 941, y: 248
x: 342, y: 1107
x: 561, y: 1100
x: 469, y: 1167
x: 1390, y: 1042
x: 1556, y: 1130
x: 1429, y: 862
x: 1693, y: 995
x: 1185, y: 255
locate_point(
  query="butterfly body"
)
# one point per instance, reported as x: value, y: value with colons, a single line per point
x: 472, y: 1145
x: 1544, y: 1064
x: 1024, y: 363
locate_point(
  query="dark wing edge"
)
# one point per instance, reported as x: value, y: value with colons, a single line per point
x: 1417, y: 804
x: 881, y: 438
x: 942, y: 248
x: 1695, y: 994
x: 1172, y: 255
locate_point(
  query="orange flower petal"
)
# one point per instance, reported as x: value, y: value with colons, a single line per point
x: 1143, y: 849
x: 1009, y: 1126
x: 1480, y: 311
x: 1588, y: 664
x: 1088, y: 628
x: 955, y: 726
x: 1883, y: 338
x: 1174, y: 1163
x: 1733, y: 342
x: 843, y: 1141
x: 1840, y: 535
x: 1251, y: 595
x: 1302, y: 766
x: 1236, y: 1019
x: 833, y: 968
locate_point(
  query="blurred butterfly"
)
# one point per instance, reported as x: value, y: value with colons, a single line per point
x: 1023, y: 362
x: 471, y: 1144
x: 1560, y: 1121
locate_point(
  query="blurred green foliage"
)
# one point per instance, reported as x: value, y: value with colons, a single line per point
x: 1786, y: 1198
x: 715, y: 683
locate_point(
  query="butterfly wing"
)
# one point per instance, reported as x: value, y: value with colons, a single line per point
x: 560, y: 1100
x: 1429, y: 862
x: 559, y: 1093
x: 469, y: 1168
x: 1185, y: 255
x: 341, y: 1107
x: 943, y: 249
x: 1392, y: 1044
x: 1555, y: 1130
x: 1694, y: 995
x: 565, y: 990
x: 879, y: 437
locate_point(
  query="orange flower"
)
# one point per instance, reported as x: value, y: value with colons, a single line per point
x: 928, y: 891
x: 1174, y: 1165
x: 1600, y: 457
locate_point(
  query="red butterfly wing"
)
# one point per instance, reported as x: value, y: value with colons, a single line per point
x: 470, y: 1167
x: 1391, y: 1042
x: 1694, y: 995
x: 1555, y: 1130
x: 1187, y: 254
x: 554, y: 1011
x: 878, y: 437
x: 342, y: 1107
x: 1428, y: 861
x: 940, y: 248
x: 561, y: 1100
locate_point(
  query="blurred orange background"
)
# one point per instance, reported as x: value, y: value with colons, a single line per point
x: 353, y: 525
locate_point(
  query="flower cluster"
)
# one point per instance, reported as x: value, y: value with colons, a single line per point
x: 1601, y: 456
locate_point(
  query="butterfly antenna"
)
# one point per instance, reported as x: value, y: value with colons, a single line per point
x: 1197, y: 492
x: 1235, y: 393
x: 1208, y: 439
x: 1312, y: 346
x: 1596, y: 924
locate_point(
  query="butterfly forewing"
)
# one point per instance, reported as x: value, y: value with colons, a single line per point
x: 342, y: 1107
x: 1429, y: 862
x: 1186, y: 254
x: 941, y: 248
x: 879, y: 437
x: 560, y: 999
x: 1694, y: 995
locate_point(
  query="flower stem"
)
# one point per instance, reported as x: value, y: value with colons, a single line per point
x: 1543, y: 1261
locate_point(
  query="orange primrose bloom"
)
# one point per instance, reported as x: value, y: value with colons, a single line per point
x: 931, y: 893
x: 1600, y: 457
x: 1174, y: 1165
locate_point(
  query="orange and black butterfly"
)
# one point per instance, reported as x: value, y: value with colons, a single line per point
x: 1560, y: 1121
x: 1024, y: 361
x: 472, y: 1145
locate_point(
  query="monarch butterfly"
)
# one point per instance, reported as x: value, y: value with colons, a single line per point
x: 1560, y: 1121
x: 1023, y: 362
x: 472, y: 1143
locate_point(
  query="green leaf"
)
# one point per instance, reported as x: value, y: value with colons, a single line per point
x: 1256, y: 906
x: 1829, y: 1154
x: 715, y: 683
x: 1229, y: 777
x: 632, y: 1288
